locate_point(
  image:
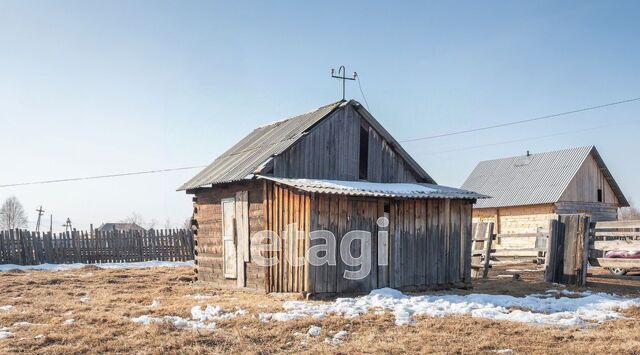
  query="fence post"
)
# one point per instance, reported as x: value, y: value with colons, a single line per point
x: 567, y: 250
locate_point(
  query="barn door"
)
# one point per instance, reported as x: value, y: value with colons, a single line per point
x: 230, y: 261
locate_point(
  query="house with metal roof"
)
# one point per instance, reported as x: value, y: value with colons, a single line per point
x: 334, y: 169
x: 528, y: 190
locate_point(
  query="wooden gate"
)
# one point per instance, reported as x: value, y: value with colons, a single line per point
x: 567, y: 250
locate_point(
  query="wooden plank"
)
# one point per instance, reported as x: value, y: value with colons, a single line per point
x: 618, y: 224
x: 618, y: 263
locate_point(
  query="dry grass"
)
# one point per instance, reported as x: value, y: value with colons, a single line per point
x: 102, y: 323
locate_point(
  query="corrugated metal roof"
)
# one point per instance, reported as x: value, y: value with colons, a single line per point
x: 244, y: 157
x: 376, y: 189
x: 530, y: 180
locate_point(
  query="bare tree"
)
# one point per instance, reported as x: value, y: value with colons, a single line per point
x: 12, y: 214
x: 134, y: 217
x: 187, y: 223
x: 629, y: 213
x: 153, y: 224
x: 167, y: 223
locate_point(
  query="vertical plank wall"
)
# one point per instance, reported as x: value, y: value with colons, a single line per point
x: 429, y: 242
x: 284, y: 208
x: 331, y: 150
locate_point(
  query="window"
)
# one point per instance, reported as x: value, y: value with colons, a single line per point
x: 599, y: 195
x: 364, y: 153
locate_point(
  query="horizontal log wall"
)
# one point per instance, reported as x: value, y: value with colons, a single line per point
x: 208, y: 226
x: 33, y: 248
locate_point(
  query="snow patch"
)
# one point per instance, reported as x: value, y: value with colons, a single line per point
x: 69, y: 321
x: 533, y: 309
x: 200, y: 318
x: 199, y: 297
x: 211, y: 313
x: 337, y: 338
x: 5, y: 333
x: 155, y: 303
x: 6, y: 308
x: 85, y: 299
x: 314, y: 331
x: 178, y: 322
x: 132, y: 265
x: 21, y: 324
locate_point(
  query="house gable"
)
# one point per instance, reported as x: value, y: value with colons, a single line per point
x: 590, y: 184
x: 332, y: 150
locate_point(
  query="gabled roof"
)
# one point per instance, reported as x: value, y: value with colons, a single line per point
x: 534, y: 179
x: 376, y: 189
x: 246, y: 157
x: 110, y: 227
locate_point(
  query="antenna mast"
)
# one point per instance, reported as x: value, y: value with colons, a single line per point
x: 344, y: 77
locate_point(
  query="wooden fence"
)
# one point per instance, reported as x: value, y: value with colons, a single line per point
x: 614, y: 236
x: 30, y: 248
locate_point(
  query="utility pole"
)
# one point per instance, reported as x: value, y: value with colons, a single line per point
x: 344, y: 77
x: 51, y: 225
x: 67, y: 225
x: 40, y: 213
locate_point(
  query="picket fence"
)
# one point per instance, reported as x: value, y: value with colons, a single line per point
x: 23, y: 247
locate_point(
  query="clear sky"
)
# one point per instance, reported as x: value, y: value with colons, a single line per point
x: 100, y: 87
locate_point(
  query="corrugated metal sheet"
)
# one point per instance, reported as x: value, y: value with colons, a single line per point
x: 376, y: 189
x: 529, y: 180
x: 244, y: 157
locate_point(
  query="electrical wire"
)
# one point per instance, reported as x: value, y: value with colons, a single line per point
x: 533, y: 138
x: 102, y: 176
x: 362, y: 92
x: 520, y: 121
x: 404, y: 141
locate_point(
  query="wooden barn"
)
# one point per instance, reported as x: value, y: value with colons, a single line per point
x: 527, y: 191
x: 335, y: 169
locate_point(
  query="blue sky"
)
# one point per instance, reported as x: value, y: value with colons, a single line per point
x: 98, y: 87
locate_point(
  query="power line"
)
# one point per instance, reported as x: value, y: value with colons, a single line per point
x: 362, y: 92
x: 533, y: 138
x: 521, y: 121
x: 102, y: 176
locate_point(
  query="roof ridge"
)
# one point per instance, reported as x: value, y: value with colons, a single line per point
x: 590, y: 147
x: 298, y: 115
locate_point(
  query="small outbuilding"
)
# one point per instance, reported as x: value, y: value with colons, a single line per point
x: 334, y: 169
x: 528, y: 190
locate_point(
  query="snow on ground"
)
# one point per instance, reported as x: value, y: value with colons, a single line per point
x: 524, y: 270
x: 5, y: 333
x: 69, y: 321
x: 6, y: 308
x: 155, y: 303
x: 533, y: 309
x: 64, y: 267
x: 337, y: 338
x: 314, y: 331
x: 200, y: 318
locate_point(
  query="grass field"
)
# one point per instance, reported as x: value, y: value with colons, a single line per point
x: 90, y: 310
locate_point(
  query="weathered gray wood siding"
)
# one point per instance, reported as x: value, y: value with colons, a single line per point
x: 599, y: 212
x: 429, y: 243
x: 331, y: 151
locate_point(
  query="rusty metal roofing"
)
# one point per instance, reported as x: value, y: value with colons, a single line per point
x: 262, y: 143
x: 376, y: 189
x: 533, y: 179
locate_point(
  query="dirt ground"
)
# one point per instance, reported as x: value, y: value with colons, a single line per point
x: 102, y: 303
